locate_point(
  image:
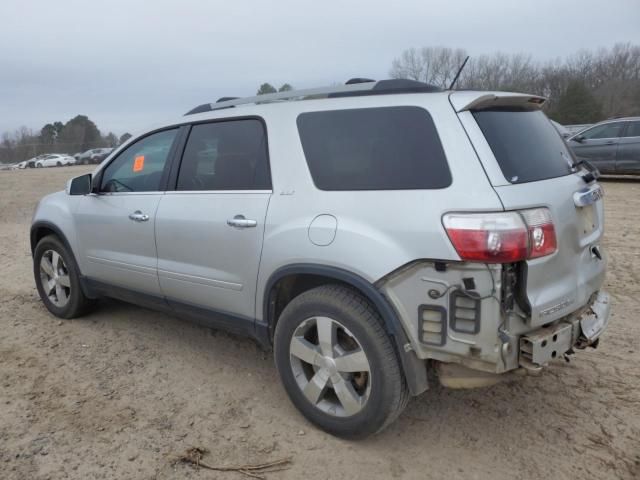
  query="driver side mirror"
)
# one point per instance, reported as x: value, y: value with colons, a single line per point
x: 578, y: 138
x: 80, y: 185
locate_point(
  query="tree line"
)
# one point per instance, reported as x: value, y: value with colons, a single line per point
x: 77, y: 135
x: 585, y: 87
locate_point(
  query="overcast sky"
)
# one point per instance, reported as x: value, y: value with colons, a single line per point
x: 130, y: 64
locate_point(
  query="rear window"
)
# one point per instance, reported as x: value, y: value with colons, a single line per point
x: 526, y: 145
x: 389, y: 148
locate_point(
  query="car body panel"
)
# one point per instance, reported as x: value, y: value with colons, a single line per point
x: 112, y: 248
x: 204, y: 261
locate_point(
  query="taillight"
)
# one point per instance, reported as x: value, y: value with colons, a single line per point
x: 504, y: 237
x: 542, y: 234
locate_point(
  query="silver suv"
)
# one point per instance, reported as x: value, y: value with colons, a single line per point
x: 368, y: 233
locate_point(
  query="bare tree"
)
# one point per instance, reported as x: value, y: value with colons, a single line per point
x: 612, y: 76
x: 434, y: 65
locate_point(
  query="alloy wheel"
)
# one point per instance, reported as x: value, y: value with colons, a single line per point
x: 330, y: 366
x: 54, y: 278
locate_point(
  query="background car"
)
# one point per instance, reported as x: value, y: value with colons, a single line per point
x: 55, y: 160
x: 613, y: 145
x: 95, y: 155
x: 101, y: 155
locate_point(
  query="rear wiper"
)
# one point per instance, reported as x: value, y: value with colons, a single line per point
x: 591, y: 174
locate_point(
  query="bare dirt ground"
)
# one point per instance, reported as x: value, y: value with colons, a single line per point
x: 117, y: 394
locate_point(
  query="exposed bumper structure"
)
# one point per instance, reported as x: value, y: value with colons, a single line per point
x: 539, y: 347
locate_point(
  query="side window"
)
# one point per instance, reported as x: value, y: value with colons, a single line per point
x: 229, y: 155
x: 609, y: 130
x: 388, y: 148
x: 633, y: 129
x: 139, y: 168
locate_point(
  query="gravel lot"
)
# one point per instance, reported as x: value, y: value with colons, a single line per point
x: 119, y: 393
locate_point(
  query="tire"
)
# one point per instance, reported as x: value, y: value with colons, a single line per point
x: 381, y: 393
x: 38, y: 165
x: 58, y: 164
x: 77, y: 304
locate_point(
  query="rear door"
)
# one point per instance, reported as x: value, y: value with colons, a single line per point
x: 599, y: 145
x: 628, y: 158
x: 533, y: 170
x: 116, y: 225
x: 209, y: 230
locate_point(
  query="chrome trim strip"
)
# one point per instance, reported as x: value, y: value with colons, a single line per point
x: 209, y: 282
x: 122, y: 265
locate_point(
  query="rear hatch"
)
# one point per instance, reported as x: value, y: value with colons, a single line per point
x: 529, y: 165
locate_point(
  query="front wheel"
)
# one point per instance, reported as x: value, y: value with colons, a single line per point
x: 38, y: 165
x: 337, y: 363
x: 58, y: 279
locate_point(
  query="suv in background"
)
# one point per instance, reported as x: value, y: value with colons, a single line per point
x: 95, y: 155
x: 368, y: 233
x: 612, y: 146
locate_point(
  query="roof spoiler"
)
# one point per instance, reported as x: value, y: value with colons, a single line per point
x: 462, y: 101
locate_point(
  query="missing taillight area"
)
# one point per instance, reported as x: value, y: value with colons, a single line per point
x: 501, y: 237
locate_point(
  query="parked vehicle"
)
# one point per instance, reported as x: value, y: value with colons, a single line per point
x: 573, y: 129
x: 367, y: 232
x: 95, y: 155
x: 613, y: 146
x: 55, y: 160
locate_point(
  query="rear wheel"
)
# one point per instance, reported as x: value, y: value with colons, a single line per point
x: 337, y: 362
x: 58, y: 280
x: 58, y: 164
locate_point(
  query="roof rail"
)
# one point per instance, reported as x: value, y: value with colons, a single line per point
x: 355, y: 89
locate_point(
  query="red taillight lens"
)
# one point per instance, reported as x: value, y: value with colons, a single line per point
x: 504, y: 237
x: 542, y: 234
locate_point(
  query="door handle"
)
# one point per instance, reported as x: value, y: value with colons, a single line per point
x: 138, y: 216
x: 610, y: 142
x: 240, y: 222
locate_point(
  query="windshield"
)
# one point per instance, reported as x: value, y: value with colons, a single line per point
x: 526, y: 145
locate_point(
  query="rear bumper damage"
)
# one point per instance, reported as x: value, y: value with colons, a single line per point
x: 456, y: 320
x: 538, y: 348
x: 579, y: 330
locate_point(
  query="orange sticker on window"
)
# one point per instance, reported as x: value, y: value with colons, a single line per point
x: 138, y: 163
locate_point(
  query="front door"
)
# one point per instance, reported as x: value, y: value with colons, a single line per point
x: 116, y: 225
x: 209, y: 230
x: 599, y: 145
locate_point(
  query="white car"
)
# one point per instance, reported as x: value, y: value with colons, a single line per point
x: 55, y: 160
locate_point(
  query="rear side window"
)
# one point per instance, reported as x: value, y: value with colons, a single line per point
x: 229, y: 155
x: 633, y: 129
x: 389, y: 148
x: 525, y: 143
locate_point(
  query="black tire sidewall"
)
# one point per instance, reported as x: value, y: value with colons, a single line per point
x: 75, y: 303
x: 385, y: 382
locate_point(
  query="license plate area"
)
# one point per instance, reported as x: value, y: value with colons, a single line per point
x: 588, y: 219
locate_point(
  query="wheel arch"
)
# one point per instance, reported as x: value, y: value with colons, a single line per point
x: 41, y: 229
x: 316, y: 274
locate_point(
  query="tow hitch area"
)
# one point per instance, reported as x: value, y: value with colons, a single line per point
x: 545, y: 344
x: 582, y: 330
